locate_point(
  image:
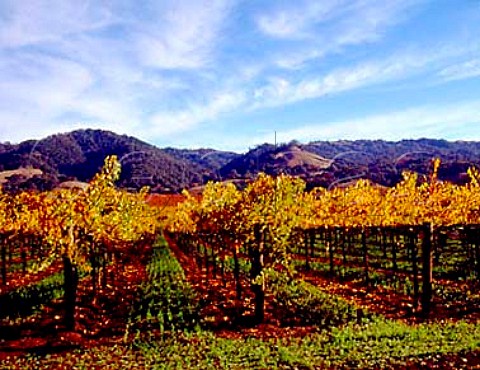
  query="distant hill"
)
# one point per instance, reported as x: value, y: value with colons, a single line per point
x: 325, y: 163
x: 290, y: 159
x: 73, y: 158
x: 20, y: 172
x: 208, y: 159
x: 78, y: 155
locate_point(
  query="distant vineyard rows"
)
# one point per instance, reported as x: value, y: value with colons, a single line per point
x: 262, y: 223
x: 86, y: 230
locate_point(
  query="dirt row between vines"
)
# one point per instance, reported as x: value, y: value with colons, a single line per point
x: 100, y: 319
x: 220, y: 296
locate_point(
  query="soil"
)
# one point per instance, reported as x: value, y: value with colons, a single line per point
x: 100, y: 319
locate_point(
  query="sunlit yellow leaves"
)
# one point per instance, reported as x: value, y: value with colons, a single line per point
x: 68, y: 220
x: 278, y: 204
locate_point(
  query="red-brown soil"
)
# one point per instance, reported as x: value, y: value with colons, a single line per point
x: 18, y: 278
x: 99, y: 320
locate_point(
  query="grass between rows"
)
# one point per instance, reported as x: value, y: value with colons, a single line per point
x: 29, y: 299
x: 380, y: 344
x: 168, y: 305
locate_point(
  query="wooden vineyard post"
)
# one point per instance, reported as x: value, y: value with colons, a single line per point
x: 102, y: 266
x: 70, y: 289
x: 213, y: 254
x: 336, y: 239
x: 470, y: 255
x: 205, y: 251
x: 33, y: 246
x: 223, y: 241
x: 383, y: 240
x: 439, y: 247
x: 93, y: 262
x: 326, y: 242
x: 23, y: 254
x: 255, y: 272
x: 190, y: 242
x: 115, y: 269
x: 236, y: 273
x: 306, y: 237
x: 365, y: 257
x: 427, y: 267
x: 393, y: 240
x: 312, y: 243
x: 344, y: 253
x: 413, y: 248
x: 330, y: 251
x: 198, y: 243
x: 4, y: 260
x: 476, y: 254
x: 10, y: 252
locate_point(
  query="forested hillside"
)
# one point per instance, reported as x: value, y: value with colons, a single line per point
x: 78, y: 155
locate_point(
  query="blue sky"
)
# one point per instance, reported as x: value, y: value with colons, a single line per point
x: 229, y: 74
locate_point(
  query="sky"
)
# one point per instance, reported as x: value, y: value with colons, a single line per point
x: 233, y: 74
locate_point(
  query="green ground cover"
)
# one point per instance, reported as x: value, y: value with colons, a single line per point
x: 165, y: 332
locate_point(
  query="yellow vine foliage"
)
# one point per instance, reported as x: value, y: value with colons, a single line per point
x: 279, y: 204
x: 70, y: 222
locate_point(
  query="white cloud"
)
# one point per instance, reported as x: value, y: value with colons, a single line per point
x: 168, y: 34
x: 36, y: 21
x: 159, y: 68
x: 468, y: 69
x: 295, y: 21
x: 40, y: 95
x: 323, y: 28
x: 184, y: 36
x: 452, y: 121
x: 397, y: 66
x: 77, y: 69
x: 359, y: 17
x: 280, y: 91
x: 41, y: 85
x: 174, y: 122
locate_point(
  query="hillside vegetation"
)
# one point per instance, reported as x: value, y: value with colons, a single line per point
x: 78, y: 155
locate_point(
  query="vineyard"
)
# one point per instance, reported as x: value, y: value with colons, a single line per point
x: 417, y: 242
x: 55, y: 244
x: 271, y: 276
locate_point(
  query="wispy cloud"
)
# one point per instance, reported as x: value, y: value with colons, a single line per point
x: 303, y: 19
x: 281, y: 91
x: 68, y: 64
x: 47, y: 83
x: 468, y: 69
x: 296, y: 19
x: 324, y: 28
x: 38, y: 21
x: 185, y: 35
x: 175, y: 122
x: 173, y: 68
